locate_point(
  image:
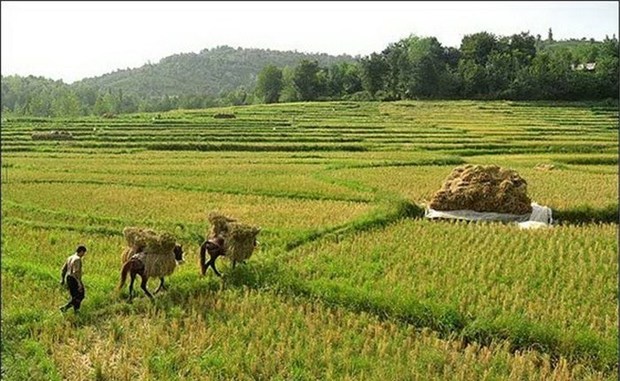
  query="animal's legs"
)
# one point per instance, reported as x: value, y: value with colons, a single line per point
x: 212, y: 264
x: 161, y: 286
x: 133, y: 278
x: 143, y: 286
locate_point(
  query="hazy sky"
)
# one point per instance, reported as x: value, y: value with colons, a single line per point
x: 75, y: 40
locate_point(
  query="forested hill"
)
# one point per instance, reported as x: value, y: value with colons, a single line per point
x: 485, y: 66
x: 211, y: 72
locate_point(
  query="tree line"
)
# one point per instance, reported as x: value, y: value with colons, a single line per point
x: 484, y: 67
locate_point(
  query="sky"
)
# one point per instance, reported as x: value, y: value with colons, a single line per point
x: 75, y: 40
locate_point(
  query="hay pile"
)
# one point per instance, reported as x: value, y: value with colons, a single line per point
x: 483, y: 188
x: 224, y: 115
x: 52, y: 135
x: 545, y: 167
x: 158, y: 249
x: 239, y: 239
x: 149, y: 240
x: 128, y: 252
x: 219, y: 224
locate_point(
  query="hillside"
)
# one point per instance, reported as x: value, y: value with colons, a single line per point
x: 582, y: 51
x: 524, y: 68
x: 211, y: 72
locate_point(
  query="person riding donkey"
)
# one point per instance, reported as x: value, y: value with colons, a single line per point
x: 72, y: 273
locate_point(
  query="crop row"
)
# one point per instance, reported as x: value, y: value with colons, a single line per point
x: 233, y: 332
x: 327, y: 176
x: 366, y: 272
x: 236, y: 334
x: 348, y: 282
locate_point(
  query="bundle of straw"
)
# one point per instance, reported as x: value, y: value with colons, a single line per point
x: 149, y: 240
x: 52, y: 135
x: 157, y: 248
x: 483, y: 189
x: 219, y: 224
x: 239, y: 239
x: 159, y: 265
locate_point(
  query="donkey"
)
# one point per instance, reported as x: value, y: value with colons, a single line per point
x: 140, y: 264
x: 215, y: 248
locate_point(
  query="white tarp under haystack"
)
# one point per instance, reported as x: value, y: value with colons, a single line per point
x: 541, y: 216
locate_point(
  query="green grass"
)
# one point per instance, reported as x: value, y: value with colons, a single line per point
x: 349, y: 281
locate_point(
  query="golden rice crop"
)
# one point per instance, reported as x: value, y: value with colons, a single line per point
x: 242, y: 337
x: 487, y: 270
x: 58, y: 196
x: 173, y: 206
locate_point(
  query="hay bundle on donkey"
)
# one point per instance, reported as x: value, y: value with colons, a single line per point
x: 157, y: 250
x: 136, y: 241
x: 149, y: 254
x: 239, y: 240
x: 219, y: 224
x: 483, y: 188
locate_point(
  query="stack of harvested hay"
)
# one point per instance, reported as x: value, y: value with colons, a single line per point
x: 52, y: 135
x: 149, y: 240
x: 224, y: 115
x: 483, y: 189
x: 239, y: 239
x: 219, y: 224
x: 157, y: 248
x: 545, y: 167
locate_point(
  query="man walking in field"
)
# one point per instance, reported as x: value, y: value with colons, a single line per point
x: 72, y: 273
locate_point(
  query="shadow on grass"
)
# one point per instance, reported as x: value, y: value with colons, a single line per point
x: 586, y: 214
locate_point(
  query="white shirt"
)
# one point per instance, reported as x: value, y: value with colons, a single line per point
x: 74, y: 266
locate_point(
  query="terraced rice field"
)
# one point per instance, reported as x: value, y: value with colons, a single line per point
x: 349, y: 281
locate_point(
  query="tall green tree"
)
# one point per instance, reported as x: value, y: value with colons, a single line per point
x: 373, y: 71
x: 427, y: 67
x: 477, y: 47
x: 238, y: 97
x: 269, y: 84
x: 607, y: 73
x: 104, y: 104
x: 289, y: 93
x: 499, y: 74
x: 522, y: 47
x: 476, y: 51
x: 344, y: 78
x: 65, y: 103
x: 399, y: 70
x: 307, y: 81
x: 473, y: 79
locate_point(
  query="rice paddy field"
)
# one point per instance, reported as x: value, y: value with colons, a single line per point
x: 349, y: 281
